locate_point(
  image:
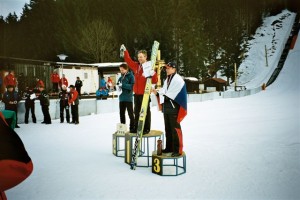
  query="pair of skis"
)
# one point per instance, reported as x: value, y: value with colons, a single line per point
x: 143, y: 112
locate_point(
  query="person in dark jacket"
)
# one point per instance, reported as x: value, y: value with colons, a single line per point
x: 45, y: 103
x: 64, y: 104
x: 139, y: 86
x: 21, y: 83
x: 78, y: 85
x: 74, y: 102
x: 102, y: 93
x: 11, y: 99
x: 29, y: 97
x: 125, y: 84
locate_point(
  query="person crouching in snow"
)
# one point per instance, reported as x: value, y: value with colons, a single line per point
x: 15, y: 163
x: 173, y: 97
x: 74, y: 102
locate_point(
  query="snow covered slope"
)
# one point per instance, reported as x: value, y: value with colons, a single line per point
x: 273, y: 34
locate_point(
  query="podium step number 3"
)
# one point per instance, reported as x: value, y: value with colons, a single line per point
x: 165, y: 165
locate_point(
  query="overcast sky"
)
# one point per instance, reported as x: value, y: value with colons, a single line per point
x: 10, y: 6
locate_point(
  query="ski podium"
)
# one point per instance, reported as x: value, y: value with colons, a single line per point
x: 146, y: 146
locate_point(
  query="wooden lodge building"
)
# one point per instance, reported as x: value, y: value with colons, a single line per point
x: 218, y: 83
x: 26, y: 71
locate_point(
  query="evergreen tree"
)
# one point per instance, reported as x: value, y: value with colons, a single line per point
x: 201, y: 36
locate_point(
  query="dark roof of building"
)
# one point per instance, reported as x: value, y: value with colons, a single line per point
x: 219, y: 80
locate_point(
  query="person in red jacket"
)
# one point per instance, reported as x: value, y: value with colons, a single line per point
x: 110, y: 84
x: 139, y: 85
x: 39, y: 83
x: 10, y: 79
x: 63, y: 81
x: 55, y: 81
x: 74, y: 102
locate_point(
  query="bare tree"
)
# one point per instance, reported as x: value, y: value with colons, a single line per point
x: 98, y: 42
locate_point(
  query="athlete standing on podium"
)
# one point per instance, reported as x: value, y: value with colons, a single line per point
x: 139, y: 85
x: 173, y: 97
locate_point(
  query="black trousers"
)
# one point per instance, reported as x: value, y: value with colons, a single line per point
x: 79, y: 90
x: 62, y: 109
x: 74, y: 112
x: 129, y: 106
x: 173, y: 133
x: 45, y: 110
x: 30, y: 107
x: 138, y: 99
x: 55, y: 87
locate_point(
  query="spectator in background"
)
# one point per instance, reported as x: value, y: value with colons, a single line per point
x: 63, y: 81
x: 45, y: 103
x: 55, y: 81
x: 78, y: 85
x: 110, y: 84
x: 103, y: 83
x: 21, y: 83
x: 64, y: 104
x: 39, y: 83
x: 10, y: 80
x: 74, y: 102
x: 11, y: 99
x: 29, y: 97
x: 102, y: 93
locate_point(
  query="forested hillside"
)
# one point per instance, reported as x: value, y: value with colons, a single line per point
x: 201, y: 36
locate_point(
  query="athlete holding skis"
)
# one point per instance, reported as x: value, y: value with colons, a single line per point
x: 139, y: 85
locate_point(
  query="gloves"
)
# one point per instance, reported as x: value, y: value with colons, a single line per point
x: 119, y: 84
x: 32, y: 96
x: 122, y: 48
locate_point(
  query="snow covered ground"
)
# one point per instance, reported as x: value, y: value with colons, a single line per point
x: 241, y: 148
